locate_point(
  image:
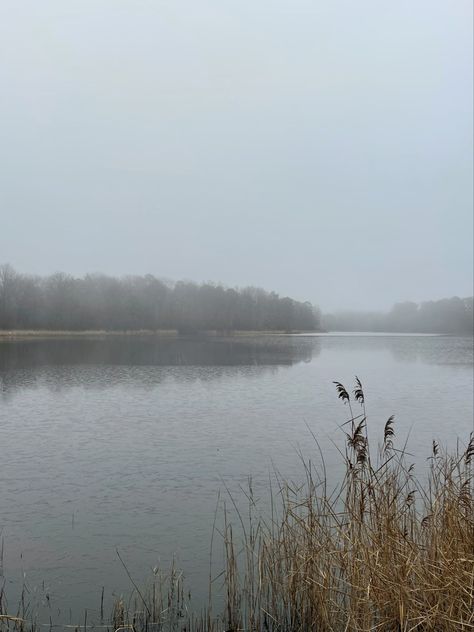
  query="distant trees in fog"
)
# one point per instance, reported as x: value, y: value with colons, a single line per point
x: 449, y: 316
x: 97, y: 301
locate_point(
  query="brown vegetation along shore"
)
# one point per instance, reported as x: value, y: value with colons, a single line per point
x: 384, y: 551
x: 15, y: 334
x: 39, y: 333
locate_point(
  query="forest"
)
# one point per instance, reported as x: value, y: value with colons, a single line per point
x: 445, y: 316
x: 99, y: 302
x: 63, y: 302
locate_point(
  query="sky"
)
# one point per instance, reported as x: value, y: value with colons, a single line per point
x: 321, y: 149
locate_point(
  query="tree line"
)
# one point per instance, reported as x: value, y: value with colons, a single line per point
x: 99, y: 302
x: 446, y: 316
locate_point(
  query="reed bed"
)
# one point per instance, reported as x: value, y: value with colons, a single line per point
x: 385, y: 551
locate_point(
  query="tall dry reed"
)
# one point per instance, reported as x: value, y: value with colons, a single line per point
x: 383, y: 552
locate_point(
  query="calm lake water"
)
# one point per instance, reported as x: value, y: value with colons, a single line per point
x: 124, y: 443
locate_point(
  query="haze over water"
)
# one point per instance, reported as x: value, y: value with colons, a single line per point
x: 123, y: 443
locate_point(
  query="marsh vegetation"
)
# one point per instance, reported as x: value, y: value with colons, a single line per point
x: 384, y: 549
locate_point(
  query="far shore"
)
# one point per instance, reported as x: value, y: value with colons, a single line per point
x: 19, y: 334
x: 6, y: 334
x: 47, y: 333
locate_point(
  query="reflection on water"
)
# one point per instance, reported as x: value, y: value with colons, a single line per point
x: 124, y: 442
x: 427, y: 349
x: 156, y: 351
x: 106, y: 362
x: 95, y: 362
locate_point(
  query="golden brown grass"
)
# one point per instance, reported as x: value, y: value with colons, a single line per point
x: 385, y: 552
x: 7, y: 334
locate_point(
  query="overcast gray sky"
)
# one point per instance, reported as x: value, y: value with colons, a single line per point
x: 322, y: 148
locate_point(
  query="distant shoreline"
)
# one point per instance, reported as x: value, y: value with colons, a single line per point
x: 15, y: 334
x: 18, y: 334
x: 39, y: 333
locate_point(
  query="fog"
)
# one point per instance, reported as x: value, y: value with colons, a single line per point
x: 322, y: 150
x: 98, y: 302
x: 446, y: 316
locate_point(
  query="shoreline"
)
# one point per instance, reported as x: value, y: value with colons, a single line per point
x: 6, y: 334
x: 16, y: 334
x: 36, y: 334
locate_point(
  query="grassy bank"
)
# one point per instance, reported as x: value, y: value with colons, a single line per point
x: 15, y: 334
x: 386, y: 550
x: 6, y: 334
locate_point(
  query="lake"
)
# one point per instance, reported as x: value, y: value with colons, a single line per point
x: 123, y: 443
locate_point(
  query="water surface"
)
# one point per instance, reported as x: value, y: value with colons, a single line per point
x: 123, y: 443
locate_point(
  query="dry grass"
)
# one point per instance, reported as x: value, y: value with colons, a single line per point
x: 384, y: 552
x: 15, y: 334
x: 59, y: 333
